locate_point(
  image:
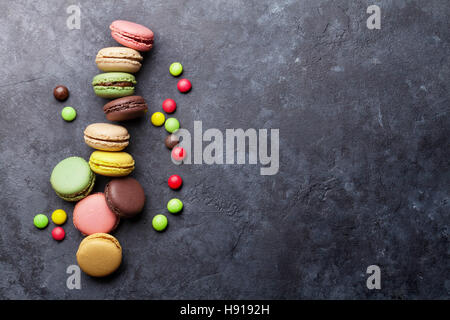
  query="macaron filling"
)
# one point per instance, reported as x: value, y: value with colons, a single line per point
x: 115, y: 84
x: 130, y: 37
x: 126, y: 107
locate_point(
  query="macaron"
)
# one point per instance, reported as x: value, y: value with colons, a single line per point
x: 112, y: 164
x: 118, y: 59
x: 125, y: 108
x: 132, y: 35
x: 92, y: 215
x: 106, y: 136
x: 114, y: 84
x: 72, y: 179
x: 99, y: 254
x: 125, y: 197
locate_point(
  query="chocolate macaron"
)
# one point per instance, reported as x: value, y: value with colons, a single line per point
x: 125, y: 108
x: 125, y: 197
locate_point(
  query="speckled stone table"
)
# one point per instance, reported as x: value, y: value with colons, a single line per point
x: 363, y: 135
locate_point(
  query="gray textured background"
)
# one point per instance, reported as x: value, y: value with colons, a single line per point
x: 364, y: 148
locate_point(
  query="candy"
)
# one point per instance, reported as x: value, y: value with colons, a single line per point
x: 184, y: 85
x: 178, y: 153
x: 172, y: 125
x: 174, y: 205
x: 175, y: 182
x: 171, y: 141
x: 40, y: 221
x: 58, y: 233
x: 158, y: 119
x: 59, y: 216
x: 176, y: 69
x: 169, y: 105
x: 68, y: 113
x: 61, y: 93
x: 159, y: 222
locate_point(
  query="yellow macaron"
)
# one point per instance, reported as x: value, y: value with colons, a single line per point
x: 111, y: 164
x: 99, y: 254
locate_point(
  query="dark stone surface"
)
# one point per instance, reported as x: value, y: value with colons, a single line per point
x: 364, y: 148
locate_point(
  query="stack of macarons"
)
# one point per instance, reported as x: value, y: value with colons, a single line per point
x: 96, y: 215
x: 118, y: 65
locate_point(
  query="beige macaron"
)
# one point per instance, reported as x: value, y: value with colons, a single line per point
x: 118, y: 59
x: 106, y: 136
x: 99, y: 254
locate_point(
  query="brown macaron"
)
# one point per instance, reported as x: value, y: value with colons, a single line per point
x: 125, y: 197
x: 125, y: 108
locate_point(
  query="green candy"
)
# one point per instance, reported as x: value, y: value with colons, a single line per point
x: 159, y: 222
x: 40, y: 221
x: 68, y: 113
x: 175, y: 205
x: 176, y: 69
x: 172, y: 125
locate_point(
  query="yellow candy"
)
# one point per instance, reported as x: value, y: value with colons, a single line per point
x: 59, y: 216
x: 158, y: 119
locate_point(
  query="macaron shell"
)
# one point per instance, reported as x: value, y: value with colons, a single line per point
x: 81, y: 195
x: 113, y: 164
x: 113, y: 92
x: 114, y: 64
x: 113, y: 77
x: 92, y: 215
x: 105, y: 145
x: 99, y: 254
x: 132, y: 35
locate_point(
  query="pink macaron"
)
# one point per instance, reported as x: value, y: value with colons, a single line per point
x: 132, y: 35
x: 92, y: 215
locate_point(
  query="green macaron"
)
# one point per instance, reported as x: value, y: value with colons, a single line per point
x: 114, y: 84
x: 72, y: 179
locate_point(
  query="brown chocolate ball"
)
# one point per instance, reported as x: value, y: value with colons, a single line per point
x: 61, y: 93
x: 171, y: 141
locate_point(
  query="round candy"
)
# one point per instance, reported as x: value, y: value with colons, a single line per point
x: 68, y: 113
x: 169, y: 105
x: 61, y: 93
x: 175, y: 182
x: 178, y: 153
x: 59, y: 216
x: 40, y: 221
x: 184, y: 85
x: 159, y: 222
x: 171, y: 141
x: 58, y: 233
x: 176, y: 69
x: 158, y: 119
x: 172, y: 125
x: 174, y: 205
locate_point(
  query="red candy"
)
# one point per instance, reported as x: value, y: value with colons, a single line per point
x: 58, y: 233
x: 184, y: 85
x: 178, y: 153
x: 169, y: 105
x: 175, y: 182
